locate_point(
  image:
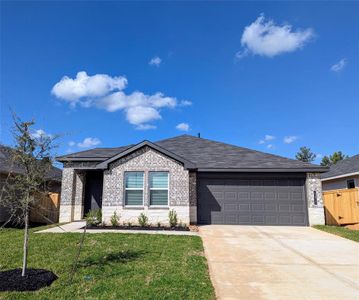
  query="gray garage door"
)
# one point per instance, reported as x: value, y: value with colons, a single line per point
x: 252, y: 199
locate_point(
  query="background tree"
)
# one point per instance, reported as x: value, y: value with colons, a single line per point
x: 32, y: 161
x: 305, y: 154
x: 330, y: 160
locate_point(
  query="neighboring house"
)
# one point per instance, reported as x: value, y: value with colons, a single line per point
x: 343, y: 175
x: 8, y: 166
x: 204, y: 181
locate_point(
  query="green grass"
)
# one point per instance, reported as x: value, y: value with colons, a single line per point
x: 112, y: 265
x: 341, y: 231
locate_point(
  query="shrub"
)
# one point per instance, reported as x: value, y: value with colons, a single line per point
x: 143, y: 220
x: 115, y: 219
x: 94, y: 217
x: 158, y: 224
x: 172, y: 215
x: 129, y: 224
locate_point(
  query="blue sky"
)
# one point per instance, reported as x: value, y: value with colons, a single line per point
x: 271, y: 76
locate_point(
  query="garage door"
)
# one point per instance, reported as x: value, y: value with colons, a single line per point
x: 252, y: 199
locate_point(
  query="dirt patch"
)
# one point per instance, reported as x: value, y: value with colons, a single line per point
x: 35, y: 279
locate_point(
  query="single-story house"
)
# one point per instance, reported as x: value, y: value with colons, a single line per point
x: 343, y: 175
x: 204, y: 181
x: 8, y: 166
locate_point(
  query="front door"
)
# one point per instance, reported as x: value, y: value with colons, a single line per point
x: 93, y: 190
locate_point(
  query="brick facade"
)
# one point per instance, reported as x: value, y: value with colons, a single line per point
x: 146, y: 160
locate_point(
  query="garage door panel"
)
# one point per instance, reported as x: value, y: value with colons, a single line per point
x: 261, y: 201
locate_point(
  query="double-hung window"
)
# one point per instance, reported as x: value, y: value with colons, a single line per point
x: 158, y: 184
x: 134, y: 188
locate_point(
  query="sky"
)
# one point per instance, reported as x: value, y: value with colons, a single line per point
x: 270, y: 76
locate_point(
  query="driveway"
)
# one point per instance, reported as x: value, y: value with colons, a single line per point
x: 260, y: 262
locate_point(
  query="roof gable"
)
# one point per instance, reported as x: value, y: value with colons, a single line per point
x: 187, y: 164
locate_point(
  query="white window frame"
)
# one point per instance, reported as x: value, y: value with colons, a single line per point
x: 159, y: 189
x: 134, y: 189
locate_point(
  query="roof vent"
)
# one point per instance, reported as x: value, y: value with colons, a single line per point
x: 199, y: 134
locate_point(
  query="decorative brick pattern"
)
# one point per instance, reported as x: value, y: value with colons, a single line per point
x: 67, y: 186
x: 146, y: 160
x: 315, y: 211
x: 72, y: 195
x: 81, y: 164
x: 193, y: 188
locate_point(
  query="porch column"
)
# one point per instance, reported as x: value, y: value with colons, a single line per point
x: 72, y: 195
x: 80, y: 178
x: 67, y: 194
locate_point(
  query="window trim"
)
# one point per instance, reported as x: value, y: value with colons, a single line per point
x: 134, y: 189
x: 159, y: 189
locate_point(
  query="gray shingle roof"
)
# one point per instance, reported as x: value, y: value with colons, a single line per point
x: 97, y: 153
x: 346, y: 166
x: 7, y: 165
x: 207, y: 154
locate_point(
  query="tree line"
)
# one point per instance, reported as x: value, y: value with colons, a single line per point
x: 305, y: 154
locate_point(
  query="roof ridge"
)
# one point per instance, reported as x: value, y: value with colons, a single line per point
x: 245, y: 148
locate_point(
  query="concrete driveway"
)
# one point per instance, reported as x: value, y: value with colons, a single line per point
x: 260, y: 262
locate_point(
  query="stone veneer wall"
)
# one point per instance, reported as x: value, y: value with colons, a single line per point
x: 315, y: 212
x: 146, y: 160
x: 72, y: 195
x: 193, y: 197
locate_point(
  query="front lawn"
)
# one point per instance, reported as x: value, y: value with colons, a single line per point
x: 112, y: 265
x: 341, y: 231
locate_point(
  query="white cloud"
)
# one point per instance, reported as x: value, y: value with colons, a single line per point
x: 39, y: 133
x: 89, y: 142
x: 145, y: 127
x: 98, y: 85
x: 270, y: 146
x: 183, y: 126
x: 290, y: 139
x: 185, y: 103
x: 138, y: 115
x: 72, y: 143
x: 105, y: 92
x: 155, y: 61
x: 339, y: 65
x: 266, y: 139
x: 318, y: 156
x: 264, y: 37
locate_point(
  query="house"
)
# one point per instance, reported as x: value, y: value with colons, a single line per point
x: 7, y: 166
x: 343, y: 175
x: 204, y: 181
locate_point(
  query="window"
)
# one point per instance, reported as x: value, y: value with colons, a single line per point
x: 134, y: 188
x: 350, y: 184
x: 159, y: 188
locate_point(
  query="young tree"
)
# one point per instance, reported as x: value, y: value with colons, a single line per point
x: 330, y: 160
x: 31, y: 163
x: 305, y: 154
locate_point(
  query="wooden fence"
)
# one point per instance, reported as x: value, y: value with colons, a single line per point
x: 341, y: 206
x: 47, y: 209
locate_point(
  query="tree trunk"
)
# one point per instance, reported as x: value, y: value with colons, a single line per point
x: 26, y: 241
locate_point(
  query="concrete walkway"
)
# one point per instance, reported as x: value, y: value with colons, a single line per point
x: 257, y: 262
x: 77, y: 227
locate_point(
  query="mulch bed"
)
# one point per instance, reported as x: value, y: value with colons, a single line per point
x: 34, y: 279
x: 162, y: 228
